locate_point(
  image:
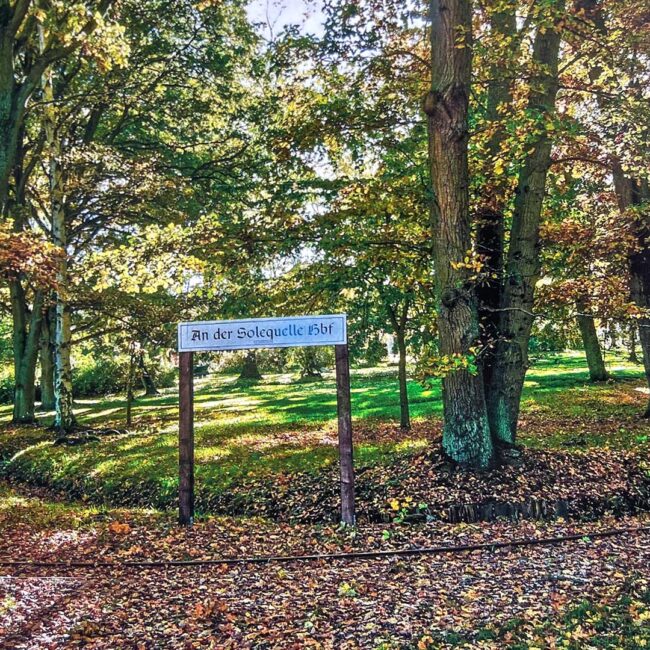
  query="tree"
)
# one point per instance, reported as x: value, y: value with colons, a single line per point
x: 24, y: 58
x: 466, y: 433
x: 522, y: 263
x: 615, y: 76
x: 28, y: 263
x: 102, y: 171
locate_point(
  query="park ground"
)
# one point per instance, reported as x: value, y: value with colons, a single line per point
x: 266, y: 485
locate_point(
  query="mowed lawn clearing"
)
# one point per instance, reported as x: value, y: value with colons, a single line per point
x: 252, y: 438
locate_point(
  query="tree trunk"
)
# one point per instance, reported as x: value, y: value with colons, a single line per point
x: 47, y: 362
x: 147, y: 379
x: 404, y: 417
x: 310, y: 364
x: 632, y: 355
x: 466, y: 435
x: 490, y: 226
x: 640, y: 285
x: 398, y: 323
x: 25, y: 348
x: 591, y: 344
x: 64, y: 418
x: 631, y: 192
x: 250, y: 369
x: 129, y: 384
x: 523, y: 262
x: 10, y: 110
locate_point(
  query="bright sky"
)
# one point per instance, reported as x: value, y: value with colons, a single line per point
x: 276, y: 14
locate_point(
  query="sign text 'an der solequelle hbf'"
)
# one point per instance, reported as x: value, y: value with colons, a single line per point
x: 247, y: 333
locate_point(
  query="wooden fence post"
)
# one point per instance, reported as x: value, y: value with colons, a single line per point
x: 345, y: 433
x: 186, y: 439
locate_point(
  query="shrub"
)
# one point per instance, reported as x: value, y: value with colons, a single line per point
x: 164, y: 376
x: 376, y: 352
x: 6, y: 389
x: 312, y: 360
x: 268, y: 361
x: 98, y: 376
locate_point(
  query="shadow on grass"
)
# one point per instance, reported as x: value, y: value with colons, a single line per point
x: 272, y: 427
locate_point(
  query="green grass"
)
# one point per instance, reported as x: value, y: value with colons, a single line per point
x: 281, y: 426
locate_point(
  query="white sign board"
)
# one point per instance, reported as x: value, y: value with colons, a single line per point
x: 293, y: 331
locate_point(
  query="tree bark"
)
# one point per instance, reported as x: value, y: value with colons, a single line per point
x: 404, y: 417
x: 523, y: 262
x: 64, y: 418
x: 591, y: 344
x: 26, y: 338
x: 129, y: 384
x: 399, y: 328
x: 632, y: 355
x: 631, y: 192
x: 466, y: 435
x: 250, y: 369
x: 11, y: 113
x: 47, y: 362
x: 490, y: 225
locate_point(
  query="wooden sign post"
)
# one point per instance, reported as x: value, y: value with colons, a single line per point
x: 344, y: 409
x: 186, y: 438
x: 252, y: 333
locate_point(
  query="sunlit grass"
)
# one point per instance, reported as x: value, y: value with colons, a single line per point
x: 280, y: 426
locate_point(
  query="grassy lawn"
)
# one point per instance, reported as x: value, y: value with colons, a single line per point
x: 279, y: 427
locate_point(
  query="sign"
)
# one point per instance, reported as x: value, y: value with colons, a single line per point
x: 249, y: 333
x: 298, y: 331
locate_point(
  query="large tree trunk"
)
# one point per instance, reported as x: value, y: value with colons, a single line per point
x: 490, y: 226
x: 591, y: 344
x: 47, y: 361
x: 523, y: 261
x: 466, y: 435
x: 26, y: 337
x: 26, y: 328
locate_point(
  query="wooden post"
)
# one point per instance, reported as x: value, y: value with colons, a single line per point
x: 186, y: 439
x: 345, y: 433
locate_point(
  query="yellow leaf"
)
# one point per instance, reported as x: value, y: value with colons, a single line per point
x: 424, y: 642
